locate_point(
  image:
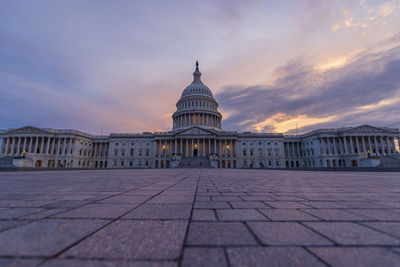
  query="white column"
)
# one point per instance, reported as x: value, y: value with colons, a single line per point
x: 215, y: 146
x: 58, y: 146
x: 376, y: 146
x: 181, y: 148
x: 170, y: 147
x: 369, y: 144
x: 383, y: 146
x: 48, y: 146
x: 388, y: 145
x: 3, y: 142
x: 13, y: 146
x: 18, y: 146
x: 204, y: 144
x: 95, y: 149
x: 231, y: 152
x: 36, y: 145
x: 176, y: 146
x: 351, y: 145
x: 7, y: 145
x: 41, y: 145
x: 363, y: 142
x: 236, y: 148
x: 187, y: 148
x: 24, y: 146
x: 345, y: 145
x: 30, y: 144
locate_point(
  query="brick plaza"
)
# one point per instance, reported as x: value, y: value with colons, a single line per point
x: 199, y: 217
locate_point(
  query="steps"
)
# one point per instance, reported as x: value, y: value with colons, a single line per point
x: 6, y: 162
x: 194, y: 162
x: 389, y: 161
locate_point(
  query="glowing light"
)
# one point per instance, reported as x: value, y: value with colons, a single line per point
x: 332, y: 63
x: 386, y: 9
x: 382, y: 103
x: 282, y: 123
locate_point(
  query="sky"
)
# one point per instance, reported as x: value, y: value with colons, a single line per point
x: 273, y: 66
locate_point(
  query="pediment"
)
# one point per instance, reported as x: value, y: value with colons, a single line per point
x: 28, y: 130
x: 194, y: 131
x: 366, y: 129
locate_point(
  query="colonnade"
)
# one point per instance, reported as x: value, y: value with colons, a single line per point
x: 15, y: 145
x: 292, y: 149
x: 100, y: 149
x: 197, y: 119
x: 189, y: 147
x: 370, y: 144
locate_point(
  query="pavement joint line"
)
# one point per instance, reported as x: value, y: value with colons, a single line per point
x: 102, y: 227
x: 228, y: 261
x: 320, y: 234
x: 316, y: 256
x: 377, y: 230
x: 260, y: 243
x: 180, y: 257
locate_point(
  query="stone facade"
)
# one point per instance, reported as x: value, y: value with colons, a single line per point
x: 197, y: 140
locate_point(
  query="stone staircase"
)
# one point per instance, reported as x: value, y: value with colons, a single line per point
x: 194, y: 162
x: 389, y: 161
x: 6, y: 162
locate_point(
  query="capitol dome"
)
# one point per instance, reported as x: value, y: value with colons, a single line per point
x: 197, y: 87
x: 197, y: 106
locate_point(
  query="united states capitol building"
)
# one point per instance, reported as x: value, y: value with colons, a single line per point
x: 198, y: 140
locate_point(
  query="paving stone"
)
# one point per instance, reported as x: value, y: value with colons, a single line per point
x: 164, y: 211
x: 203, y: 215
x: 335, y: 215
x: 7, y: 203
x: 287, y: 215
x: 286, y: 233
x: 271, y: 256
x: 377, y: 214
x: 68, y: 203
x: 248, y: 204
x: 45, y: 237
x: 4, y: 225
x: 184, y: 199
x: 219, y: 233
x: 287, y: 205
x: 391, y: 228
x: 204, y: 257
x: 225, y: 198
x: 19, y: 262
x: 125, y: 199
x: 97, y: 211
x: 12, y: 213
x: 347, y: 233
x: 133, y: 239
x: 357, y: 257
x: 165, y: 197
x: 240, y: 215
x: 42, y: 214
x: 211, y: 205
x: 326, y: 205
x: 257, y: 198
x: 107, y: 263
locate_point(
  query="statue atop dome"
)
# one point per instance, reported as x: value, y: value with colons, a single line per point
x: 197, y: 74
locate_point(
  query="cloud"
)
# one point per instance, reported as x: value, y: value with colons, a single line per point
x: 362, y: 90
x: 387, y: 9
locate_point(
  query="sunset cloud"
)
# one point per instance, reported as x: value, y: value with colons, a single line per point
x: 121, y: 67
